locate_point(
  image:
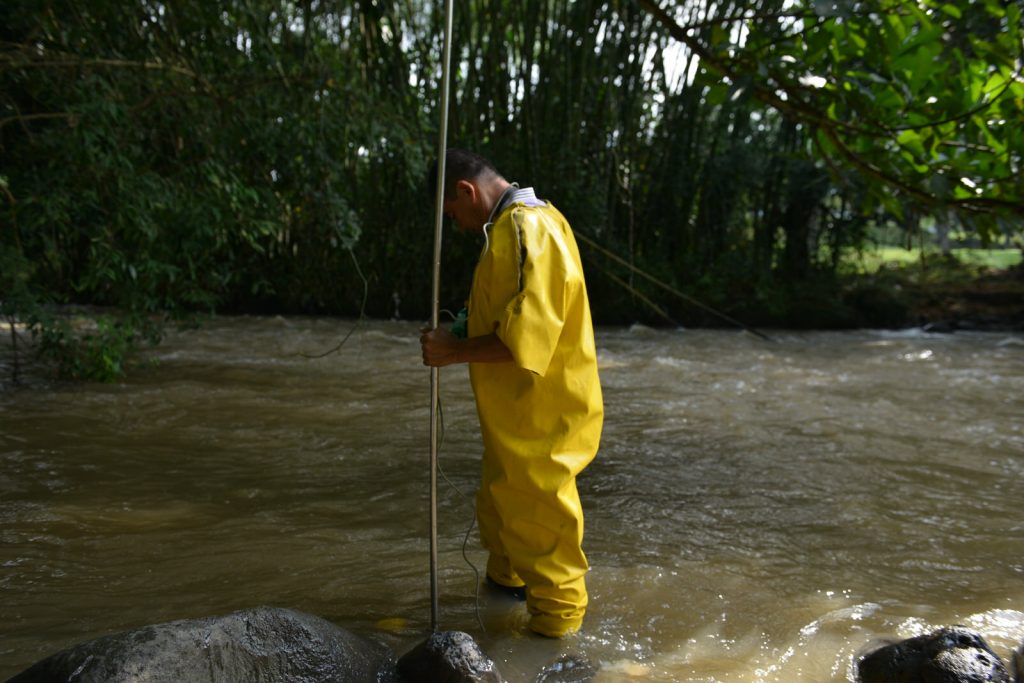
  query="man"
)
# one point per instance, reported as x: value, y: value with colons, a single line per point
x: 533, y: 368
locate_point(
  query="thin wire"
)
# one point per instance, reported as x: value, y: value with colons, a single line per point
x: 359, y: 272
x: 672, y: 290
x: 472, y: 523
x: 359, y: 321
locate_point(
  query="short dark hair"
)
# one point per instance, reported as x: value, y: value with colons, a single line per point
x: 460, y: 164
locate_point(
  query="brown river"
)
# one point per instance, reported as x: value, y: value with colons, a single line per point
x: 759, y: 511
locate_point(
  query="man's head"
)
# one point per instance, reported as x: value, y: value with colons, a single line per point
x: 471, y: 189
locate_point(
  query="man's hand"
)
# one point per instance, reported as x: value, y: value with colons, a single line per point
x: 439, y: 347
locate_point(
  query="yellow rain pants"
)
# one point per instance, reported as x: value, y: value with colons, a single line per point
x: 540, y: 416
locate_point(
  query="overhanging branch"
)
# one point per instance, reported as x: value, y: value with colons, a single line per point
x: 830, y: 128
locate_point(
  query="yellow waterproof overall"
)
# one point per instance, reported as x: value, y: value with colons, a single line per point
x: 540, y: 416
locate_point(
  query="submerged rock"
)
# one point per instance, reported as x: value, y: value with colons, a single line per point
x: 949, y: 655
x: 568, y: 669
x: 265, y: 644
x: 448, y: 657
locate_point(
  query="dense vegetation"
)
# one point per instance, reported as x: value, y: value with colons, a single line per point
x: 162, y: 159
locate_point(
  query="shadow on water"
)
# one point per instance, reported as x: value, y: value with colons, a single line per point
x: 758, y: 511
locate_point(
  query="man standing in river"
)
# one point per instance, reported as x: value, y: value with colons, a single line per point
x: 533, y: 368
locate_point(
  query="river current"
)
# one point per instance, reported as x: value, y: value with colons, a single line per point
x: 758, y: 511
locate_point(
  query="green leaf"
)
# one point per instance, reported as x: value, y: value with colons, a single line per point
x: 952, y: 10
x: 911, y: 140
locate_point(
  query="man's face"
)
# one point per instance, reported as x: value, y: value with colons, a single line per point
x: 465, y: 208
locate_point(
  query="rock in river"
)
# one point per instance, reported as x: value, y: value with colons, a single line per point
x: 949, y: 655
x: 262, y: 644
x: 452, y: 652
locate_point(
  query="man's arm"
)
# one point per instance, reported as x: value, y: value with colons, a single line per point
x: 441, y: 347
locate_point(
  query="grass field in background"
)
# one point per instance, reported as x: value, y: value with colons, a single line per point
x: 870, y: 260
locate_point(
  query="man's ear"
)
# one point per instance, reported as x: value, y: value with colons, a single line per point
x: 467, y: 189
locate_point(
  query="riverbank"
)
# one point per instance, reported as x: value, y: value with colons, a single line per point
x: 938, y: 295
x: 941, y: 297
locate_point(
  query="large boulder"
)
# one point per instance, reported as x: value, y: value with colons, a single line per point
x: 949, y: 655
x: 266, y: 645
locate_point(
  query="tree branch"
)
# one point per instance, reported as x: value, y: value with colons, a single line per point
x: 829, y: 127
x: 766, y: 95
x: 121, y: 63
x: 32, y: 59
x: 21, y: 118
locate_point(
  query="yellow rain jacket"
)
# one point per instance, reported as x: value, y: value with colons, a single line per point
x: 540, y: 416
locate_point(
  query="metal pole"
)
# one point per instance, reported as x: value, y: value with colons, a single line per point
x: 435, y: 375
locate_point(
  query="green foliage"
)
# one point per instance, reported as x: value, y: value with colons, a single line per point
x: 921, y: 100
x: 99, y: 353
x: 871, y: 260
x: 166, y: 159
x: 254, y: 155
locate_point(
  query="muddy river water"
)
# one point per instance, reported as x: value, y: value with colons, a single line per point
x: 759, y: 511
